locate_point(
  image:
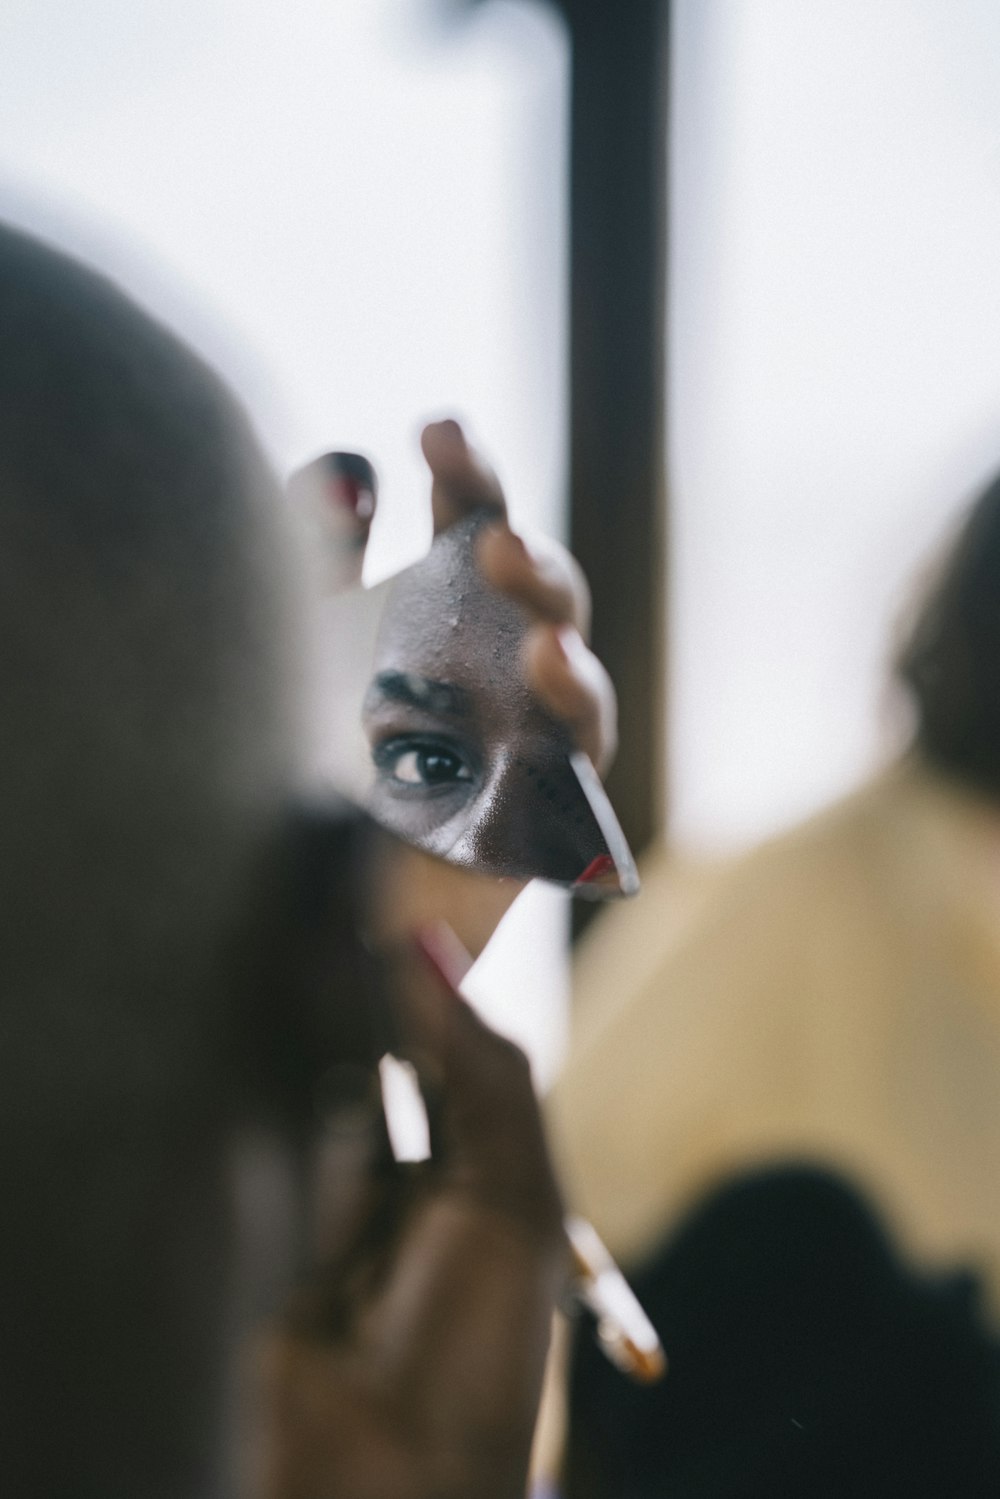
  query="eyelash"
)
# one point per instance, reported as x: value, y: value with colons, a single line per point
x: 388, y: 755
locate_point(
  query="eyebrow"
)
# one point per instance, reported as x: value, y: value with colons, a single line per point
x: 417, y: 692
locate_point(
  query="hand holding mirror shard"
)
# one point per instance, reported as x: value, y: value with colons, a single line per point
x: 469, y: 713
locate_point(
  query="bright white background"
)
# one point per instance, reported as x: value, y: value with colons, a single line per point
x: 835, y: 346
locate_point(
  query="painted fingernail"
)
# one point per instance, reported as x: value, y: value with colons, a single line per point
x: 447, y: 430
x: 596, y: 870
x: 351, y: 483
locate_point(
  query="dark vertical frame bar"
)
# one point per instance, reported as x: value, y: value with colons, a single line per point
x: 618, y: 226
x: 617, y: 248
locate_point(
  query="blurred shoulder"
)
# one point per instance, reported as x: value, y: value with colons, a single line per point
x: 739, y: 926
x: 836, y: 856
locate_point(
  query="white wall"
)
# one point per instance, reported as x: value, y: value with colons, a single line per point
x: 835, y: 347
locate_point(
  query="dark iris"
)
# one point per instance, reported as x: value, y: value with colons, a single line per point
x: 415, y: 764
x: 437, y: 766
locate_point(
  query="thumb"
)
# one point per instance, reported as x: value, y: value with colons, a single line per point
x: 338, y: 493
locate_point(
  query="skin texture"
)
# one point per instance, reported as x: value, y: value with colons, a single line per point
x: 468, y: 764
x: 481, y: 686
x: 566, y: 677
x: 185, y: 993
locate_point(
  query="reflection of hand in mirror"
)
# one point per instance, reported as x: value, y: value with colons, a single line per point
x: 410, y: 1361
x: 479, y: 692
x: 545, y: 580
x: 478, y: 644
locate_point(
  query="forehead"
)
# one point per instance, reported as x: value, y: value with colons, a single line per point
x: 443, y: 622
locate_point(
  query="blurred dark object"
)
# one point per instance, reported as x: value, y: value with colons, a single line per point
x: 806, y: 1359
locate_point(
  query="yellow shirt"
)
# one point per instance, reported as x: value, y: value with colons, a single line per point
x: 832, y: 996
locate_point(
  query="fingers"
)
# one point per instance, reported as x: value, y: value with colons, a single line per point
x: 463, y: 1323
x: 574, y: 686
x: 568, y: 678
x: 491, y: 1136
x: 488, y: 1134
x: 338, y: 493
x: 354, y: 1202
x: 439, y: 1355
x: 544, y: 578
x: 461, y: 481
x: 416, y: 889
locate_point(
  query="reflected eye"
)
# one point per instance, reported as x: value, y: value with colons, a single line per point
x: 428, y: 763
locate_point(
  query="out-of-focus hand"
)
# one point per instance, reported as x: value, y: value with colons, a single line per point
x: 411, y: 1363
x: 544, y: 578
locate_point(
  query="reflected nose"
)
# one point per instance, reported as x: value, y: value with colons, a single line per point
x: 532, y: 818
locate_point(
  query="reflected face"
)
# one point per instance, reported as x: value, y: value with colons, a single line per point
x: 466, y: 763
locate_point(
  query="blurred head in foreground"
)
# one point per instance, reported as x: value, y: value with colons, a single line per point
x: 147, y: 758
x: 950, y: 660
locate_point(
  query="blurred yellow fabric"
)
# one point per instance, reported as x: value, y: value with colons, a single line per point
x: 833, y: 996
